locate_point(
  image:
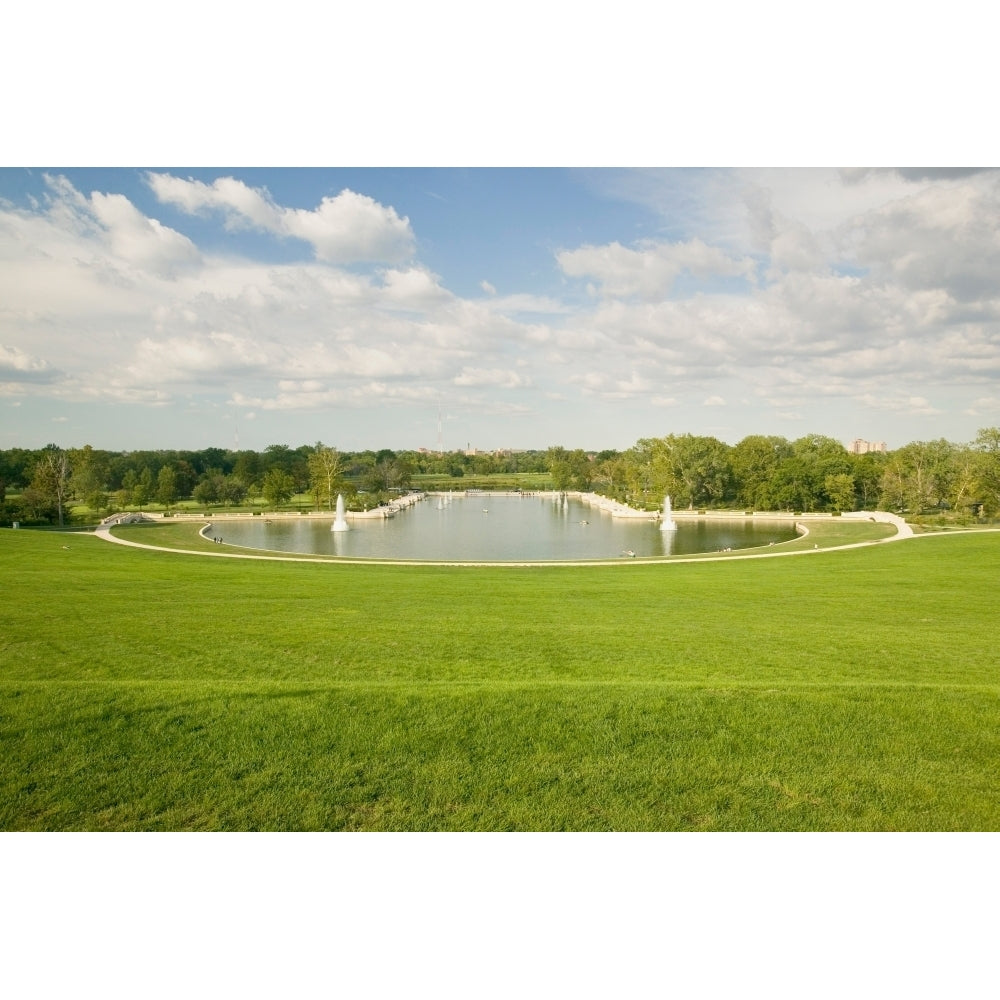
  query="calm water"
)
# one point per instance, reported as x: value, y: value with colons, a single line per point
x: 500, y: 529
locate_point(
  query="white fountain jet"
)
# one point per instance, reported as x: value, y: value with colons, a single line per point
x: 668, y: 521
x: 339, y: 523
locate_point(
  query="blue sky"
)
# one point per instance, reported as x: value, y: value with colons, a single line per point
x: 562, y: 270
x: 589, y: 307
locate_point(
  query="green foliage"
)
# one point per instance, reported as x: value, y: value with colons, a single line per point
x: 278, y: 487
x: 325, y: 475
x: 758, y: 473
x: 570, y: 470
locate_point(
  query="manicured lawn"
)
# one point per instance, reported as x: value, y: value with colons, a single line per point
x: 851, y: 690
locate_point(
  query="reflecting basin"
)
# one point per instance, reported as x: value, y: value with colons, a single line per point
x: 507, y: 528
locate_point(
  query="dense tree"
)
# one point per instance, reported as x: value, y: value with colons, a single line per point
x: 754, y: 462
x: 570, y: 470
x: 611, y: 474
x: 206, y: 490
x: 278, y: 487
x: 49, y: 487
x: 90, y: 476
x: 840, y: 489
x: 247, y: 467
x: 325, y: 474
x: 987, y: 465
x: 390, y: 472
x: 699, y: 471
x: 867, y: 470
x: 921, y: 475
x: 760, y: 472
x: 166, y: 486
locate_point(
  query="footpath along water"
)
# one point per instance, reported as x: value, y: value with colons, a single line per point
x: 508, y: 528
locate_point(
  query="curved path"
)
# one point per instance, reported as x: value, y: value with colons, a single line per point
x: 903, y: 531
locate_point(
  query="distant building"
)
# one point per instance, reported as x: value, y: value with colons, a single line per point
x: 859, y: 446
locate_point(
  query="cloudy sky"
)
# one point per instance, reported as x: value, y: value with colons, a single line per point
x: 520, y: 307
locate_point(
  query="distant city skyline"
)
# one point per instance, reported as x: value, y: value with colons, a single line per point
x: 521, y: 307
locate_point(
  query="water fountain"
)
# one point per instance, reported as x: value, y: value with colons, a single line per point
x: 668, y: 522
x: 339, y: 523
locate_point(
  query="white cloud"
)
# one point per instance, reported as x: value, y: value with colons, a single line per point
x: 346, y: 228
x: 496, y: 377
x: 138, y: 240
x: 984, y: 406
x: 650, y: 270
x: 15, y: 361
x: 414, y: 288
x: 911, y: 405
x: 945, y: 236
x: 893, y: 312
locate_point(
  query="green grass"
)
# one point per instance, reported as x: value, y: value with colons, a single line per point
x: 850, y: 690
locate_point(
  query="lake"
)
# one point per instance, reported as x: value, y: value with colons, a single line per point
x: 510, y: 528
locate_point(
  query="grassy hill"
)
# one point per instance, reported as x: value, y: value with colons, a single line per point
x: 841, y: 690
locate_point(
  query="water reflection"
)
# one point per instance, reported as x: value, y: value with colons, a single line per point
x: 504, y: 529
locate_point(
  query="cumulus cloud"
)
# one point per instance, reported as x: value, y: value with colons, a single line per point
x: 497, y: 377
x: 857, y: 175
x: 874, y: 312
x: 912, y: 405
x: 610, y: 385
x: 347, y: 228
x: 650, y: 270
x: 414, y: 288
x: 943, y: 237
x: 25, y: 367
x: 137, y: 239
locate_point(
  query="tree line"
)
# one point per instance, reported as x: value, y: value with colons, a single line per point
x: 37, y: 486
x: 812, y: 473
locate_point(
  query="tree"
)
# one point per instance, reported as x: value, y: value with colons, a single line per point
x: 570, y: 470
x: 695, y: 469
x: 920, y: 475
x: 232, y: 490
x: 801, y: 477
x: 278, y: 487
x: 143, y: 488
x: 755, y: 462
x: 325, y: 474
x: 50, y: 482
x: 90, y: 473
x: 388, y: 473
x: 166, y: 486
x: 840, y: 490
x: 867, y: 470
x: 207, y: 490
x: 987, y: 448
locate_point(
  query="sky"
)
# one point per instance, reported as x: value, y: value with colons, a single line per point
x: 495, y: 308
x: 582, y: 253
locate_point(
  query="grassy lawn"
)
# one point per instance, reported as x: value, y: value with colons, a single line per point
x: 851, y: 690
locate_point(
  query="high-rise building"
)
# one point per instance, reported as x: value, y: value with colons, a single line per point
x: 859, y: 446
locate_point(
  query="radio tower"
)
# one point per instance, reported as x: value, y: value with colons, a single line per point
x: 440, y: 447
